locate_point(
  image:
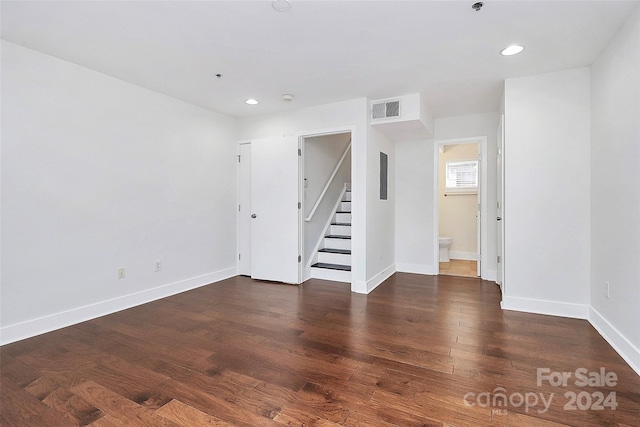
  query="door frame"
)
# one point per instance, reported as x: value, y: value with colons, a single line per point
x: 306, y: 268
x: 358, y: 213
x: 239, y: 212
x: 482, y: 189
x: 500, y: 208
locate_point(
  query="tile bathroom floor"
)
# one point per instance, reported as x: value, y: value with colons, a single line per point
x: 459, y: 267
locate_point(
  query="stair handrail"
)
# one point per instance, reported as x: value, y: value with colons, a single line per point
x: 326, y: 187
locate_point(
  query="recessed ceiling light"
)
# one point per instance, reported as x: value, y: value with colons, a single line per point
x: 512, y: 50
x: 281, y: 5
x: 251, y: 101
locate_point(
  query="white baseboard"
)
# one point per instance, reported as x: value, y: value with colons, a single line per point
x: 306, y: 274
x: 376, y: 280
x: 553, y: 308
x: 467, y: 256
x: 629, y: 352
x: 31, y: 328
x: 359, y: 287
x: 403, y: 267
x: 490, y: 275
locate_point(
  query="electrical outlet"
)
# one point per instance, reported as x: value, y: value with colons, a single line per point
x: 121, y: 273
x: 158, y: 265
x: 607, y: 288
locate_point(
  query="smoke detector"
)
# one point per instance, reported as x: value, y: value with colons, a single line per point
x: 477, y: 6
x: 281, y: 5
x: 287, y: 97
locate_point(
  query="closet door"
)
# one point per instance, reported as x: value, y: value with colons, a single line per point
x: 274, y: 209
x: 244, y: 211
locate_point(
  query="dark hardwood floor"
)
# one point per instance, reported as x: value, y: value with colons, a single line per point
x: 418, y: 351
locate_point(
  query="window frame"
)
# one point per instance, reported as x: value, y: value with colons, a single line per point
x: 465, y: 189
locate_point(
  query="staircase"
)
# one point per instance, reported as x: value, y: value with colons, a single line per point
x: 334, y: 257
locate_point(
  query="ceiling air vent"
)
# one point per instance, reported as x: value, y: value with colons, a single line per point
x: 385, y: 110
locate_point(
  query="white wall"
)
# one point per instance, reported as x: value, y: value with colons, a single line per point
x: 337, y: 117
x: 615, y: 190
x: 321, y: 156
x: 380, y: 213
x: 99, y: 174
x: 547, y: 201
x: 373, y: 220
x: 414, y: 211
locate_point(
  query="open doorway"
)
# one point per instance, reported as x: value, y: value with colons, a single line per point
x: 458, y: 209
x: 459, y: 206
x: 326, y: 203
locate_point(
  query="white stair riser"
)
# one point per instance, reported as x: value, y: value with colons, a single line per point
x: 345, y: 206
x: 340, y: 230
x: 327, y: 274
x: 347, y: 196
x: 337, y: 243
x: 342, y: 217
x: 329, y: 258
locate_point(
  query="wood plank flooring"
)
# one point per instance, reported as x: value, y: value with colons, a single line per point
x: 459, y: 267
x: 418, y: 351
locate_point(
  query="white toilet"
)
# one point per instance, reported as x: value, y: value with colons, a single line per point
x: 445, y: 242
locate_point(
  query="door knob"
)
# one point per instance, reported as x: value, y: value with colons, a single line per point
x: 499, y: 218
x: 253, y: 215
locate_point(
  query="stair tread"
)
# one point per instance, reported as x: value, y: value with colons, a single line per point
x: 335, y: 251
x: 332, y: 266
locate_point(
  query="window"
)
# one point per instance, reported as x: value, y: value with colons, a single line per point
x: 462, y: 175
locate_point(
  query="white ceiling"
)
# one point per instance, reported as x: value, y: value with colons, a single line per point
x: 320, y: 51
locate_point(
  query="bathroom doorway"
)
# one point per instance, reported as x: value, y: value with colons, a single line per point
x: 458, y: 206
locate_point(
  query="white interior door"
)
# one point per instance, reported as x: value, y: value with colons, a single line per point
x: 500, y: 205
x: 274, y: 209
x: 244, y: 211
